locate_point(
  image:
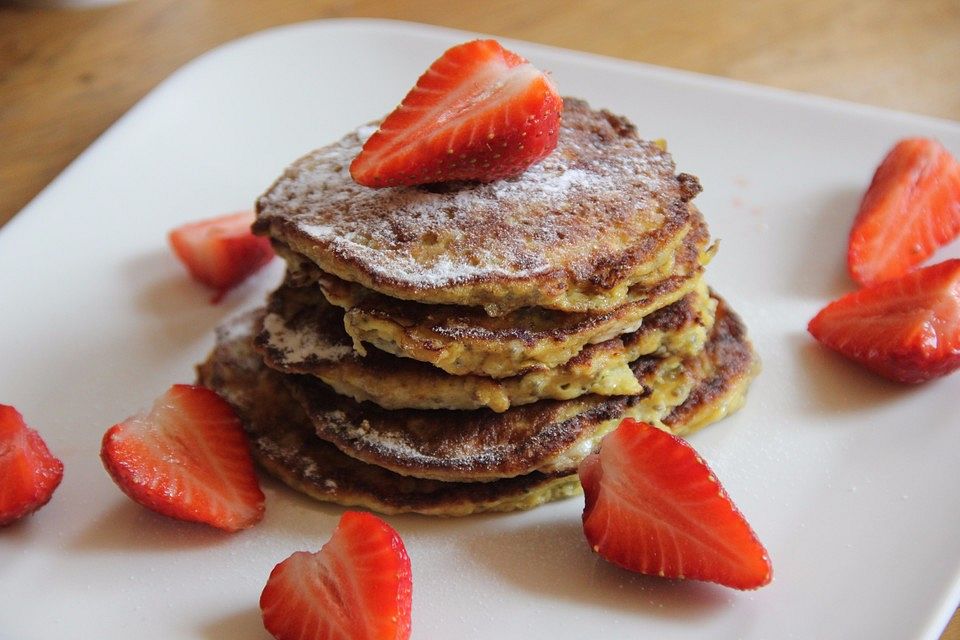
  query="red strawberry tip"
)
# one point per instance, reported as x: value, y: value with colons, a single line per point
x: 30, y: 473
x: 359, y: 585
x: 653, y: 506
x: 479, y: 113
x: 221, y: 252
x: 910, y: 209
x: 187, y: 458
x: 905, y: 329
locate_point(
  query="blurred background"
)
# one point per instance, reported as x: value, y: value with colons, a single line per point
x: 70, y: 68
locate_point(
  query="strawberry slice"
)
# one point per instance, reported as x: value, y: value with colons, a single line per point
x: 357, y: 587
x: 653, y: 506
x: 221, y: 252
x: 906, y: 329
x: 911, y: 208
x: 29, y: 472
x: 187, y: 458
x: 479, y: 112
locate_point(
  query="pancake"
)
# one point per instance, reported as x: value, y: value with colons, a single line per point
x: 602, y: 213
x: 283, y: 442
x: 467, y: 446
x: 482, y: 445
x: 301, y: 333
x: 723, y: 373
x: 465, y: 340
x: 731, y: 366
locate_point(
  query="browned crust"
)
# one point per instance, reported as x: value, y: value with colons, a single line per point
x: 301, y: 309
x: 349, y: 482
x: 537, y: 251
x: 447, y: 327
x: 478, y: 444
x: 283, y: 442
x: 732, y: 362
x: 465, y: 340
x: 459, y: 322
x: 444, y: 444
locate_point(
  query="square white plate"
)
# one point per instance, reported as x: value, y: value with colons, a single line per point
x: 851, y: 482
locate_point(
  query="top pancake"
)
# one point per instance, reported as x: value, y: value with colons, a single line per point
x: 574, y: 232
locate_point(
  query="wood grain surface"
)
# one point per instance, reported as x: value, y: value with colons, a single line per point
x: 67, y: 75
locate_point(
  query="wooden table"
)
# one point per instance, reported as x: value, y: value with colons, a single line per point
x: 65, y: 76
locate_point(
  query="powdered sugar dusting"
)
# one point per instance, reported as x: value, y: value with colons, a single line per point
x: 301, y: 345
x: 399, y: 446
x: 448, y: 445
x: 601, y: 188
x: 235, y: 329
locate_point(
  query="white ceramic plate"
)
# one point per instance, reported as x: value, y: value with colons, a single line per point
x: 851, y: 482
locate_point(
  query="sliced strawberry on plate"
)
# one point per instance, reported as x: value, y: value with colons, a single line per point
x: 653, y: 506
x: 357, y: 587
x: 911, y: 207
x: 29, y: 473
x: 221, y: 252
x: 187, y: 458
x: 906, y: 329
x: 480, y: 112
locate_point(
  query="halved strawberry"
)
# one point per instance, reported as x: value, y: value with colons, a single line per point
x: 187, y: 458
x: 906, y: 329
x: 911, y: 207
x: 479, y: 112
x: 357, y: 587
x: 221, y: 252
x: 29, y: 473
x: 653, y: 506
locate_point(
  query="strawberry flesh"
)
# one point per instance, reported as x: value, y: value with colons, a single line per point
x: 906, y: 329
x: 29, y: 472
x: 480, y: 112
x: 911, y: 208
x: 653, y: 506
x: 357, y: 587
x: 187, y: 458
x: 221, y: 252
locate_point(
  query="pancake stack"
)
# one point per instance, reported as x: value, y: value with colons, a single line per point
x: 460, y: 347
